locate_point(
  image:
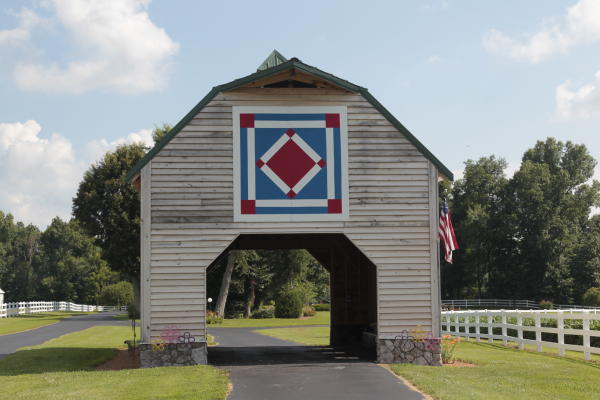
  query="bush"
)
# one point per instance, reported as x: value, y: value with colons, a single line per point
x: 133, y: 312
x: 289, y: 302
x: 322, y: 307
x: 308, y: 311
x: 213, y: 318
x: 591, y: 297
x: 118, y: 294
x: 264, y: 312
x: 546, y: 304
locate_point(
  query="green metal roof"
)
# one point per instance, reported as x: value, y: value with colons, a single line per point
x: 274, y: 59
x: 293, y: 63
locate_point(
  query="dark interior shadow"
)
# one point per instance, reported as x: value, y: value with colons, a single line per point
x: 272, y: 355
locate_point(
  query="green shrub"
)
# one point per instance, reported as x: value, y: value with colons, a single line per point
x: 133, y: 312
x: 591, y: 297
x: 264, y: 312
x: 118, y: 294
x: 213, y: 318
x: 546, y: 304
x: 308, y: 311
x: 322, y: 307
x: 289, y: 302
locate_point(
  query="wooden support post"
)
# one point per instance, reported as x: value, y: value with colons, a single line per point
x: 586, y: 336
x: 504, y: 329
x: 490, y: 321
x: 520, y: 331
x: 477, y: 328
x: 560, y: 324
x: 538, y: 332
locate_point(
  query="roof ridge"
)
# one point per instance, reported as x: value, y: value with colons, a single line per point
x: 268, y: 71
x: 273, y: 60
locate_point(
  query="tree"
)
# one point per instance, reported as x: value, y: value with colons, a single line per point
x: 108, y: 208
x: 225, y: 283
x: 71, y: 267
x: 474, y: 206
x: 550, y: 200
x: 160, y: 132
x: 118, y: 294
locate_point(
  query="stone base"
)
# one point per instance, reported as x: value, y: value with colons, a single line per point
x: 409, y: 351
x: 172, y: 354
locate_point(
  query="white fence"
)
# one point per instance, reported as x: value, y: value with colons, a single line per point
x: 32, y: 307
x: 504, y: 304
x: 511, y: 325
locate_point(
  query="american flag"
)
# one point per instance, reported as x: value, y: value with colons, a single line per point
x: 446, y: 232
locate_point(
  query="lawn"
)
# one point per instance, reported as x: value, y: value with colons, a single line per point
x: 312, y: 336
x: 32, y: 321
x: 64, y: 368
x: 322, y: 318
x: 505, y: 373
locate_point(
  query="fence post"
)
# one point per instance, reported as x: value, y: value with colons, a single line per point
x: 560, y: 324
x: 457, y: 324
x: 490, y: 321
x: 538, y: 332
x: 586, y: 336
x: 504, y: 328
x: 520, y: 330
x: 477, y: 327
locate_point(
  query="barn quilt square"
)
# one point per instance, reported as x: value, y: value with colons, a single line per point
x: 290, y: 163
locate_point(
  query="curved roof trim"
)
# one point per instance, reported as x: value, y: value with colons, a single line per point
x: 291, y: 64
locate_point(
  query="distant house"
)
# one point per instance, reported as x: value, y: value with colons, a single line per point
x: 293, y: 157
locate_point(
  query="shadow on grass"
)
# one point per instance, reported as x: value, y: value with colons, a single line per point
x: 54, y: 359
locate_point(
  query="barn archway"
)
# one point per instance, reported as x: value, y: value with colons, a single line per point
x: 352, y: 279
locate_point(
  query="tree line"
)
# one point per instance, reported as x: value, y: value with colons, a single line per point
x: 529, y: 236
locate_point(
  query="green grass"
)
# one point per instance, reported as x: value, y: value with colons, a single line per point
x: 32, y: 321
x: 200, y: 382
x: 322, y: 318
x: 505, y: 373
x: 82, y: 350
x: 312, y: 336
x: 63, y: 368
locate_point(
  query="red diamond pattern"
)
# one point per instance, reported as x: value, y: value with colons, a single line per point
x: 291, y: 163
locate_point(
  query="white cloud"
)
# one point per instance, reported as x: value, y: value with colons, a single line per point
x: 22, y: 33
x: 580, y: 25
x: 120, y: 49
x: 433, y: 59
x: 39, y: 176
x: 582, y: 102
x: 96, y: 149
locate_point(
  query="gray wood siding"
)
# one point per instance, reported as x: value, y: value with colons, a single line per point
x: 391, y: 202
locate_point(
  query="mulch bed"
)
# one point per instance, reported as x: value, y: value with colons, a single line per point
x: 123, y: 360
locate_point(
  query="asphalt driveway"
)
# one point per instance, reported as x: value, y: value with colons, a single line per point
x: 266, y: 368
x: 10, y: 343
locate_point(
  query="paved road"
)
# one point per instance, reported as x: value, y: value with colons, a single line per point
x: 265, y: 368
x: 10, y: 343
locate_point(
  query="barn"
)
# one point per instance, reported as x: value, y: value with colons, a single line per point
x: 292, y: 157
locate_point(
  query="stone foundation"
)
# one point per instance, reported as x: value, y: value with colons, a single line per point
x: 172, y: 354
x: 408, y: 350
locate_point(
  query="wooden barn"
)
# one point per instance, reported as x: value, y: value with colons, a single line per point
x: 292, y: 157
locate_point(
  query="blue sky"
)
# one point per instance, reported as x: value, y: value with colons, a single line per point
x: 468, y: 78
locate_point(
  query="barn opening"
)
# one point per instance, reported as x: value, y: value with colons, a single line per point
x: 353, y: 291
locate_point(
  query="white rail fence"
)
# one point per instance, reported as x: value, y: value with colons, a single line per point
x: 32, y: 307
x: 469, y: 304
x: 542, y: 328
